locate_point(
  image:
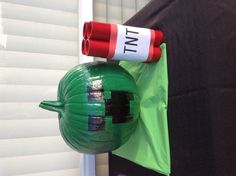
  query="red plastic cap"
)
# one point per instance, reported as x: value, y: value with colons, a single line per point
x: 83, y: 46
x: 98, y: 31
x: 96, y: 48
x: 158, y: 38
x: 156, y: 54
x: 85, y: 30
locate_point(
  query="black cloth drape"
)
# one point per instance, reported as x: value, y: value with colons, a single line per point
x: 201, y: 43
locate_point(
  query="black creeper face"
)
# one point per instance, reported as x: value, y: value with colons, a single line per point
x: 118, y: 106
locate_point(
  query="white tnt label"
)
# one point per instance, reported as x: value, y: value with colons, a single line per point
x: 132, y: 43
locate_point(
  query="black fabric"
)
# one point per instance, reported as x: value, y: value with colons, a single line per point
x: 121, y: 167
x: 201, y: 45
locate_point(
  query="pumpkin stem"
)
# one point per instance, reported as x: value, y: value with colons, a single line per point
x: 56, y: 106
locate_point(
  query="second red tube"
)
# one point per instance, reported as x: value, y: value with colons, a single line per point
x: 102, y: 31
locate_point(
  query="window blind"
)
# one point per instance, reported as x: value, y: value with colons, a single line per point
x: 113, y: 11
x: 38, y: 44
x: 116, y: 11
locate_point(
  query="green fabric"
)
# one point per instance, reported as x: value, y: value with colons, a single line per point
x: 149, y: 144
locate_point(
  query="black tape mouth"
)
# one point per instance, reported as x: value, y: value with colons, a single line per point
x: 118, y: 107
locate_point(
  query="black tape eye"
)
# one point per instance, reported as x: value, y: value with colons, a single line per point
x: 96, y: 123
x: 95, y: 93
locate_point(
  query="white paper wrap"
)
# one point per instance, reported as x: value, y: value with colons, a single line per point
x: 132, y: 43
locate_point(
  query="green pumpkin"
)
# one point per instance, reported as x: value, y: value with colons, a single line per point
x: 98, y: 107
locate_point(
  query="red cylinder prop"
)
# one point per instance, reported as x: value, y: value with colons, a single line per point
x: 85, y: 29
x: 102, y: 31
x: 96, y: 48
x: 98, y: 31
x: 158, y: 38
x: 156, y: 54
x: 98, y: 41
x: 83, y: 47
